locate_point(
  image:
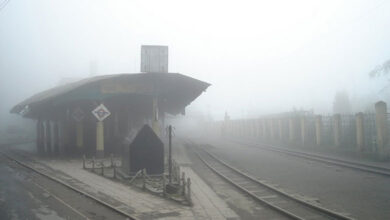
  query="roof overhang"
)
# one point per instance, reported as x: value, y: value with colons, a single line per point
x: 173, y: 90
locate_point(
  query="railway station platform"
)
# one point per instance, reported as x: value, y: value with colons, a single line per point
x: 206, y: 203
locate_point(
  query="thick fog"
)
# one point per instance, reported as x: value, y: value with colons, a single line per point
x: 261, y: 57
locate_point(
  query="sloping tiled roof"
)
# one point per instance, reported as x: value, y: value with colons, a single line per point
x: 176, y: 89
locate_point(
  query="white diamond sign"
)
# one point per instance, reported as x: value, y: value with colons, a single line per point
x: 101, y: 112
x: 78, y: 114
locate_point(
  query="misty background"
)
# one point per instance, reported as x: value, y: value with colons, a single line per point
x: 261, y: 57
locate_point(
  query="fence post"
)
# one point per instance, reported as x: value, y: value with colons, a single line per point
x: 359, y: 131
x: 102, y: 167
x: 381, y: 128
x: 83, y: 161
x: 336, y: 129
x: 112, y: 159
x: 318, y: 130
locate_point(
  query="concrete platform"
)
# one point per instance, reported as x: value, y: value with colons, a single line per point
x: 207, y: 204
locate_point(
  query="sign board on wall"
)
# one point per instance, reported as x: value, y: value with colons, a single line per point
x: 101, y: 112
x: 154, y: 59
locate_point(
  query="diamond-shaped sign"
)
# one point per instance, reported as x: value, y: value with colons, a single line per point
x: 101, y: 112
x: 78, y: 114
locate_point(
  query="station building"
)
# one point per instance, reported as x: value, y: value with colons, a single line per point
x: 94, y: 116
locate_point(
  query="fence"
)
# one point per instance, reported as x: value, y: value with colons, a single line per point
x: 178, y: 189
x: 368, y: 132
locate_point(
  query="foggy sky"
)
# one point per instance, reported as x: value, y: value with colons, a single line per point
x: 260, y: 56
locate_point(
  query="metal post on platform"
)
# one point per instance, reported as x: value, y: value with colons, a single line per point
x: 114, y: 166
x: 163, y: 185
x: 183, y: 179
x: 144, y: 179
x: 93, y: 164
x: 112, y: 159
x: 170, y: 153
x: 83, y: 161
x: 189, y: 190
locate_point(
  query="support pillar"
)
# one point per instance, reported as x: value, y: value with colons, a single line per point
x: 99, y: 139
x: 381, y: 128
x: 48, y: 137
x: 359, y: 131
x: 56, y: 139
x: 79, y: 135
x: 40, y: 136
x: 337, y: 129
x: 303, y: 131
x: 318, y: 124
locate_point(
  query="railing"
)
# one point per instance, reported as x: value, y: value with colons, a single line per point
x: 179, y: 189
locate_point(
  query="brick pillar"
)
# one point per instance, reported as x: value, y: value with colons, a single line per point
x: 337, y: 129
x: 359, y: 131
x: 260, y: 128
x: 280, y: 127
x: 291, y: 129
x: 271, y: 129
x: 303, y: 130
x: 265, y: 130
x: 242, y: 127
x: 318, y: 124
x: 381, y: 128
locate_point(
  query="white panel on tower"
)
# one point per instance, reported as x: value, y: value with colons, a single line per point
x: 154, y: 59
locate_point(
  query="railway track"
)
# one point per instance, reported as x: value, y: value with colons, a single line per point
x: 286, y: 204
x: 62, y: 183
x: 385, y: 171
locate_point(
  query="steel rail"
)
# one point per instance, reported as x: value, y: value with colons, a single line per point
x: 385, y: 171
x: 68, y: 186
x: 322, y: 210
